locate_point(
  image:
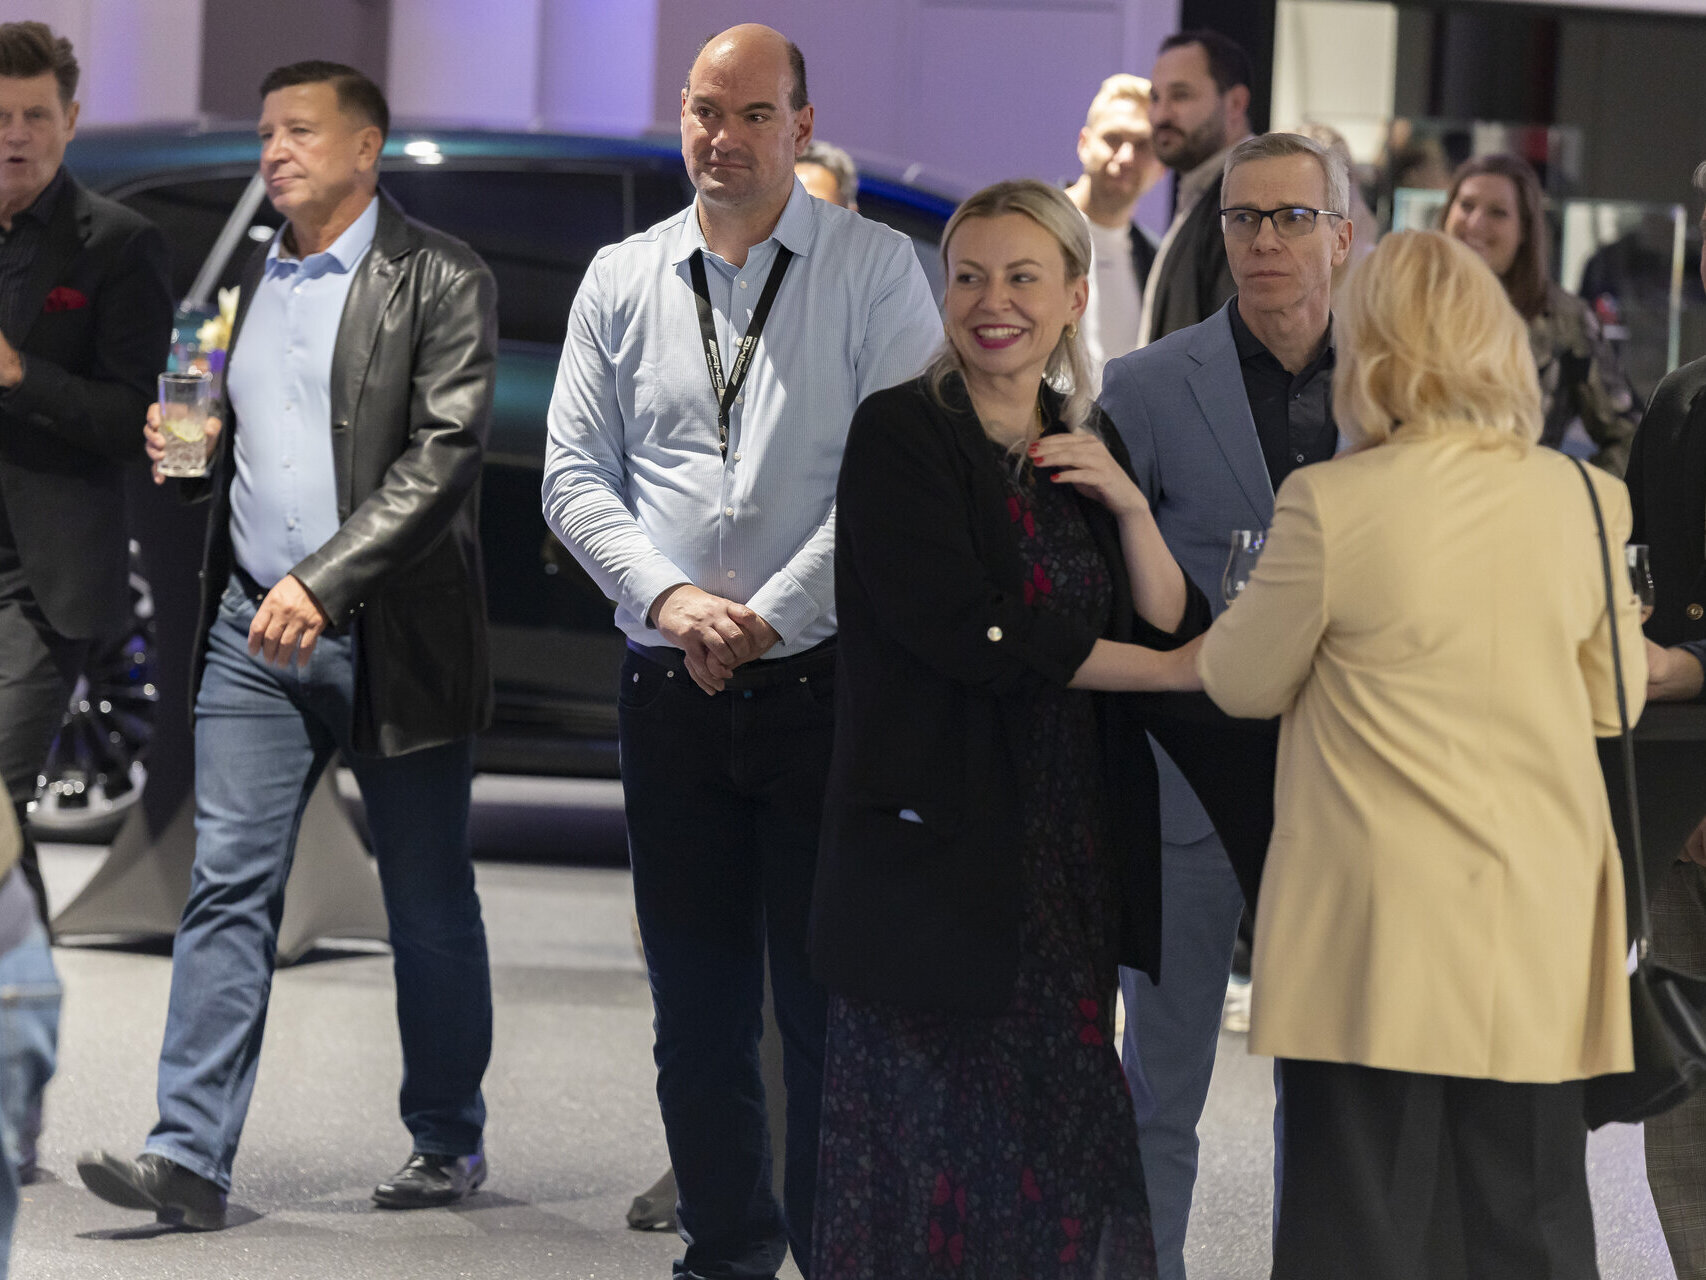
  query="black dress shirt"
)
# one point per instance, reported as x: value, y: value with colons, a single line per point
x: 1293, y: 413
x: 18, y: 254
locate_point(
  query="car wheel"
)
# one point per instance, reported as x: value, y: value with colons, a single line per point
x: 95, y: 768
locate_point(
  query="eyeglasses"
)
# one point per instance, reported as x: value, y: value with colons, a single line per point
x: 1243, y: 224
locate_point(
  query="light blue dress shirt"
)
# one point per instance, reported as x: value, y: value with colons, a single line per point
x: 284, y: 497
x: 634, y: 484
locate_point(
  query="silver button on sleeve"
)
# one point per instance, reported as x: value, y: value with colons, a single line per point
x: 994, y: 634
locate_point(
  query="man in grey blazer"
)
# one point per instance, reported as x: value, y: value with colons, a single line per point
x: 1216, y: 416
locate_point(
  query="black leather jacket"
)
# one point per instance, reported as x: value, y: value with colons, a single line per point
x: 411, y: 406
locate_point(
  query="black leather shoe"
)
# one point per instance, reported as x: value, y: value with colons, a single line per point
x: 151, y: 1182
x: 426, y: 1180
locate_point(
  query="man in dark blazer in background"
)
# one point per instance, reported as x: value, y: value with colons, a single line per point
x: 343, y: 610
x: 85, y: 323
x: 1199, y: 108
x: 1215, y: 417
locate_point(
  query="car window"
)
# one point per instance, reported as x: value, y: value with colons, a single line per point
x: 924, y: 228
x: 659, y: 195
x: 536, y: 229
x: 191, y: 215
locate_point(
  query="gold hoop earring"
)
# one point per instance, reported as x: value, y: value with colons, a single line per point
x: 1072, y: 329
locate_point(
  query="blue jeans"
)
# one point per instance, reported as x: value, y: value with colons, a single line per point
x: 29, y: 1035
x: 725, y: 798
x: 1172, y: 1031
x: 263, y: 737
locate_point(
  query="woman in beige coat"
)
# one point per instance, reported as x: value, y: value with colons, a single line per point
x: 1440, y: 936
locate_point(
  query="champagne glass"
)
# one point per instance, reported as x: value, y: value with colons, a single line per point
x: 1247, y: 547
x: 1641, y: 577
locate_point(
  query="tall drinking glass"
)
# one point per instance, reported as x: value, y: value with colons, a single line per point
x: 186, y: 400
x: 1247, y: 547
x: 1641, y: 577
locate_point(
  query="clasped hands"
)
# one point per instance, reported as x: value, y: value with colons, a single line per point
x: 714, y: 634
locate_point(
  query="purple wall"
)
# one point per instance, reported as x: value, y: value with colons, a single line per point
x: 968, y: 91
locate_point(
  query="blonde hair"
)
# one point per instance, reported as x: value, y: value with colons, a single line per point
x: 1068, y: 369
x: 1120, y: 87
x: 1428, y: 341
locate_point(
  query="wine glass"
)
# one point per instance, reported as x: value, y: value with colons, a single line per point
x: 1641, y: 577
x: 1247, y: 547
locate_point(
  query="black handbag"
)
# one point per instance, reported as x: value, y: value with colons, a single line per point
x: 1665, y: 1004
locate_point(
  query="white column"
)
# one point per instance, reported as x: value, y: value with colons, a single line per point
x: 598, y: 60
x: 1335, y: 63
x: 466, y: 62
x: 140, y: 59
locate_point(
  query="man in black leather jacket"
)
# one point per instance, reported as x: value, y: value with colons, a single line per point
x: 343, y: 610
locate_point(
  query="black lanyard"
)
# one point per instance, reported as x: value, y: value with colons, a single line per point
x: 726, y: 393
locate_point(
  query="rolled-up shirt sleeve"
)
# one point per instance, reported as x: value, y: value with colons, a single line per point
x: 585, y: 490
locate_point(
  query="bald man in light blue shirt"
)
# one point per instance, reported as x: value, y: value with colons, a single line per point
x: 692, y: 472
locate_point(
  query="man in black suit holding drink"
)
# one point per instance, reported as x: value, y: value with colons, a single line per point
x: 85, y: 324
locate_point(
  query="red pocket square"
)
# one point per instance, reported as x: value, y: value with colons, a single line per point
x: 65, y: 298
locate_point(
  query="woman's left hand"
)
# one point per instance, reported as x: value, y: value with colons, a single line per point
x: 1081, y: 459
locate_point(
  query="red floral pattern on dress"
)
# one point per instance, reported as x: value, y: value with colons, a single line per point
x: 994, y: 1148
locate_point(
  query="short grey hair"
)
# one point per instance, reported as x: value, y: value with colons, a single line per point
x: 1700, y: 176
x: 826, y: 155
x: 1274, y: 146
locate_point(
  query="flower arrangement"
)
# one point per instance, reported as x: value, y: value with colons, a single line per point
x: 201, y: 338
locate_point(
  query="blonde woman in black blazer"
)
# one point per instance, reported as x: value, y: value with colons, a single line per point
x: 990, y: 850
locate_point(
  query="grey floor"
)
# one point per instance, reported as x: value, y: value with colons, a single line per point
x: 573, y: 1130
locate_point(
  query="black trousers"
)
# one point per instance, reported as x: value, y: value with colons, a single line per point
x: 1391, y: 1175
x: 38, y: 669
x: 724, y: 800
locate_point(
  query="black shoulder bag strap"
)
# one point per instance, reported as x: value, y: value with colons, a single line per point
x: 1666, y: 1006
x: 725, y: 393
x: 1633, y: 799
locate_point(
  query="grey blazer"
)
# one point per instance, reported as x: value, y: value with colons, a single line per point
x: 1179, y: 404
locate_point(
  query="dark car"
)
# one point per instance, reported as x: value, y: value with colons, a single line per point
x: 536, y: 207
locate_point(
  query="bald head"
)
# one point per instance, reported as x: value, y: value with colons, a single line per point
x: 755, y: 40
x: 745, y: 118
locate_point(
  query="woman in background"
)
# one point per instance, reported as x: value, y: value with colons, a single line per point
x: 990, y: 849
x: 1496, y: 208
x: 1440, y: 937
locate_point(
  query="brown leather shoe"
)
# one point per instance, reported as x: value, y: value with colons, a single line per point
x: 155, y: 1184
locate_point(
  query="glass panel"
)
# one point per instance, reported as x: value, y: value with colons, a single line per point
x: 1636, y: 264
x: 658, y: 196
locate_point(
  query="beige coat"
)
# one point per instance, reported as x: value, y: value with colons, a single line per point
x: 1443, y: 892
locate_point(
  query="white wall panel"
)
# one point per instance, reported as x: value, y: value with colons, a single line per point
x: 141, y: 59
x: 597, y: 65
x: 1335, y: 63
x: 456, y: 62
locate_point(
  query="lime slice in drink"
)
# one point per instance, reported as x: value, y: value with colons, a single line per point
x: 189, y: 430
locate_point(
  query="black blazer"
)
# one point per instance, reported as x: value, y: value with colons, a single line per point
x: 412, y: 381
x: 1196, y: 280
x: 101, y: 298
x: 937, y: 651
x: 1667, y: 491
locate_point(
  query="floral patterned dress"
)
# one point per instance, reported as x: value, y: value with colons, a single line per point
x: 1003, y: 1148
